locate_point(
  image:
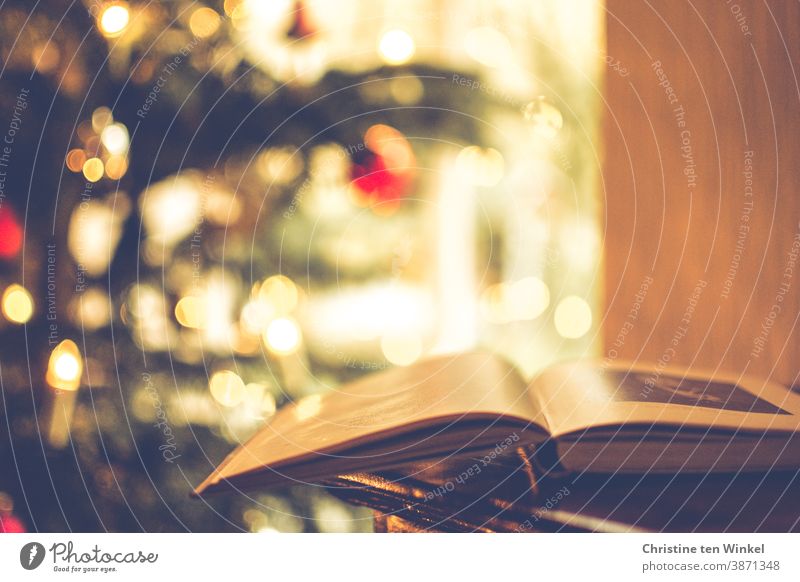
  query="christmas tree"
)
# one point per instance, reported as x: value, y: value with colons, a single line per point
x: 208, y: 210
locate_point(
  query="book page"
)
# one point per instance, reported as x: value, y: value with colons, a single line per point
x: 445, y: 389
x: 579, y: 396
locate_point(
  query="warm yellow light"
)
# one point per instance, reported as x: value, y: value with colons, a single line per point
x: 114, y: 19
x: 396, y: 47
x: 279, y: 165
x: 230, y: 5
x: 580, y: 244
x: 528, y: 298
x: 573, y: 317
x: 17, y: 304
x: 93, y: 169
x: 282, y: 336
x: 493, y: 304
x: 227, y: 388
x: 101, y: 117
x: 115, y: 138
x: 45, y: 57
x: 406, y: 90
x: 260, y: 400
x: 256, y: 315
x: 91, y: 309
x: 545, y: 117
x: 488, y: 46
x: 280, y: 293
x: 75, y: 159
x: 189, y: 312
x: 482, y: 167
x: 391, y: 144
x: 116, y: 166
x: 401, y: 349
x: 308, y: 407
x: 170, y: 208
x: 65, y: 366
x: 204, y: 22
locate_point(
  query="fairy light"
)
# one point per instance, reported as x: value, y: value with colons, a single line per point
x: 116, y: 167
x: 115, y: 138
x: 75, y: 159
x: 65, y: 367
x: 482, y: 167
x: 45, y: 57
x: 544, y: 117
x: 101, y: 118
x: 93, y: 169
x: 522, y: 300
x: 170, y: 209
x: 396, y: 47
x: 256, y: 316
x: 282, y: 336
x: 528, y: 298
x: 17, y: 304
x: 280, y: 293
x: 573, y: 317
x: 189, y: 312
x: 227, y: 388
x: 114, y: 19
x: 91, y: 309
x: 204, y: 22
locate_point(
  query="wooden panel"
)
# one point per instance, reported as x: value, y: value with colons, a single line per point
x: 701, y: 176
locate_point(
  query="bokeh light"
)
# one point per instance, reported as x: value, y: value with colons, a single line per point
x: 282, y: 336
x: 114, y: 19
x: 544, y: 117
x: 17, y: 304
x: 280, y: 293
x: 65, y: 366
x: 190, y: 311
x: 227, y: 388
x: 75, y: 159
x: 93, y: 169
x: 204, y: 22
x: 396, y: 47
x: 484, y: 167
x: 573, y: 317
x: 91, y: 309
x: 115, y: 138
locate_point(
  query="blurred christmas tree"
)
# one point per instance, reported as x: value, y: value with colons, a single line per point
x: 211, y: 209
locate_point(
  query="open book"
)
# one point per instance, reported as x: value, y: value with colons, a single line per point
x: 591, y: 417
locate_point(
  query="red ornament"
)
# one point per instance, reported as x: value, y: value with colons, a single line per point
x: 382, y: 176
x: 10, y: 524
x: 302, y: 24
x: 376, y: 182
x: 10, y: 233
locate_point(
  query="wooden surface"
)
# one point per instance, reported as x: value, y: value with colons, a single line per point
x: 675, y: 235
x: 404, y: 501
